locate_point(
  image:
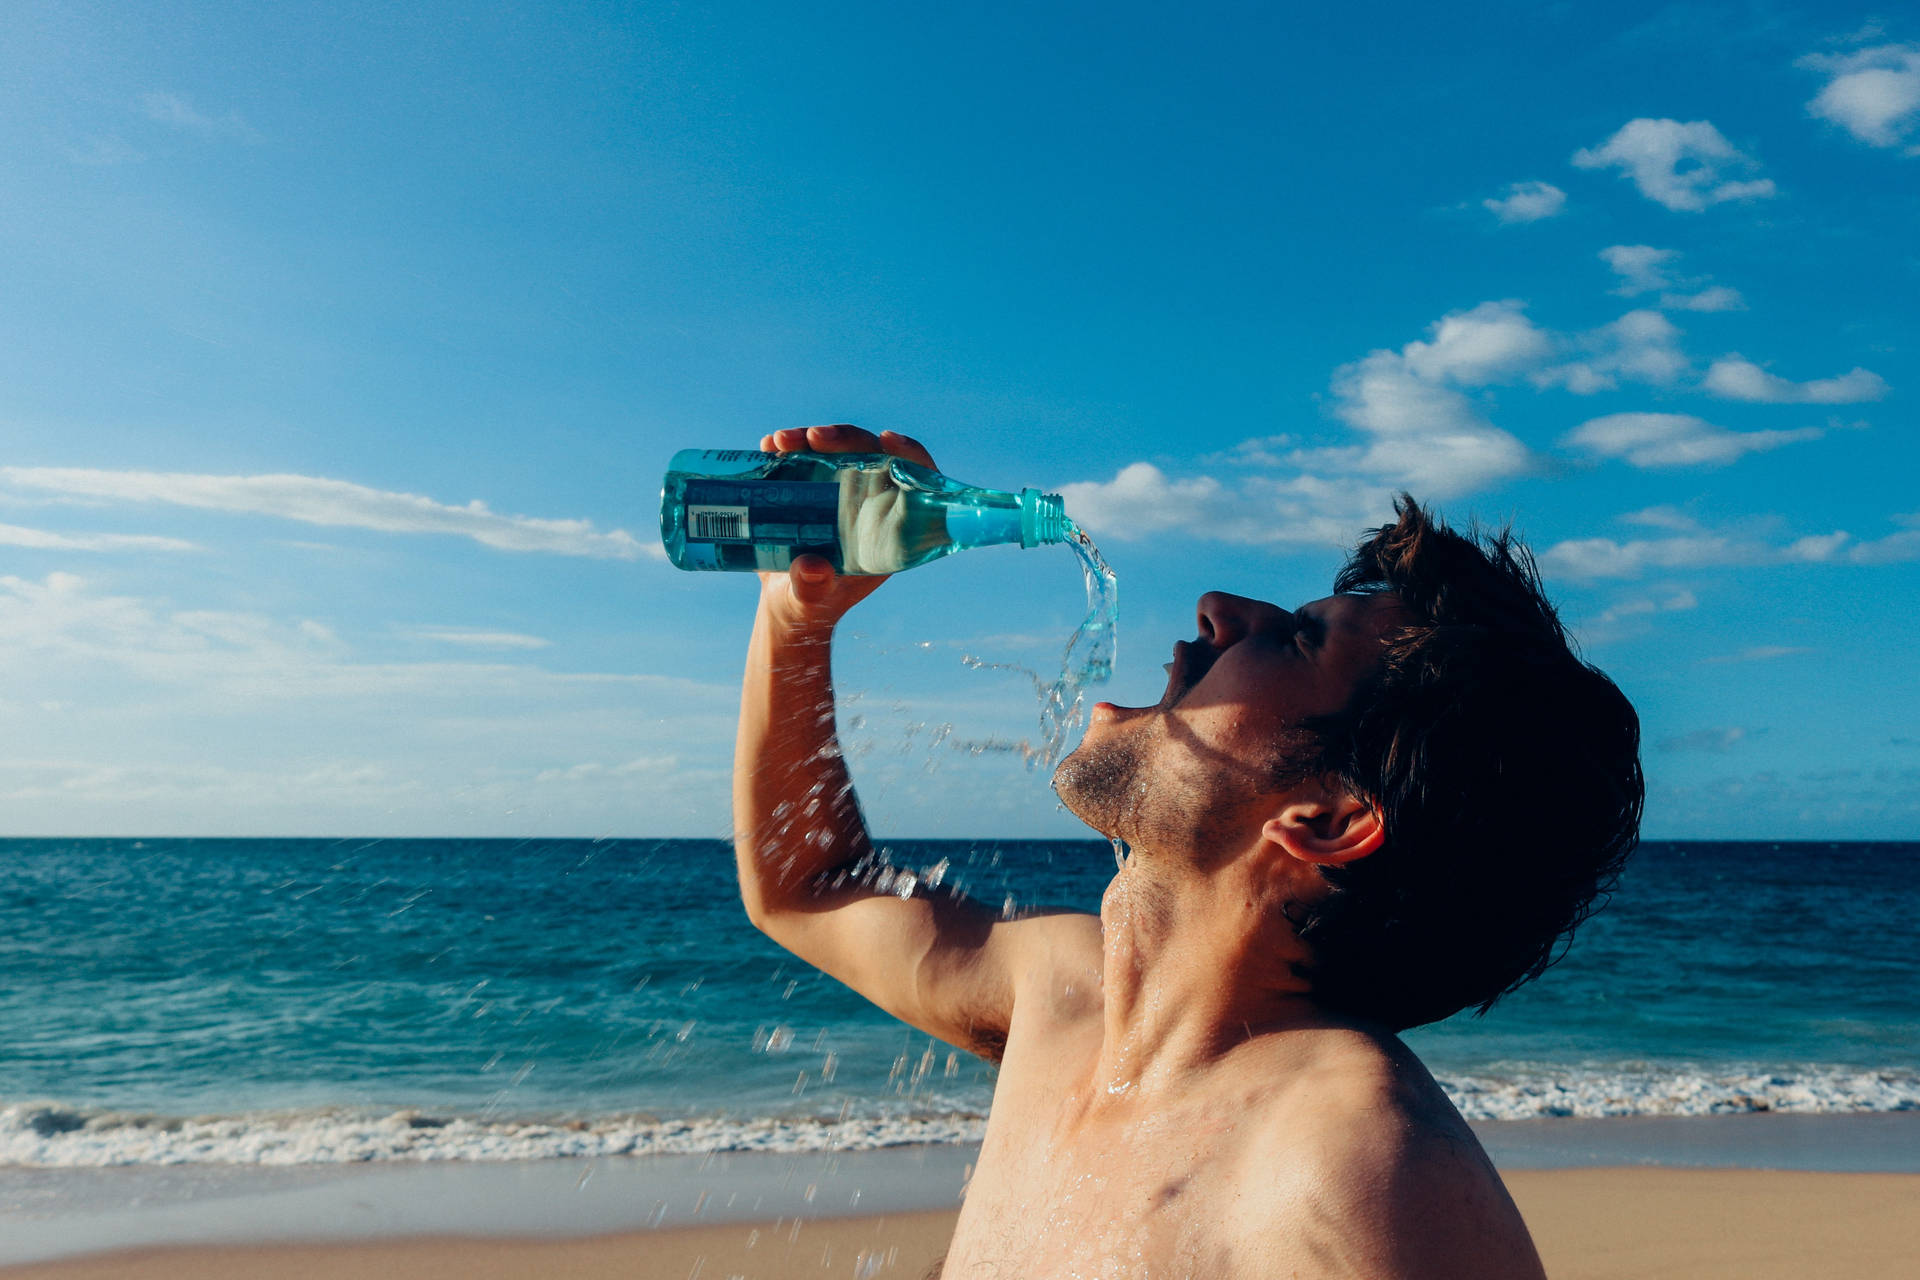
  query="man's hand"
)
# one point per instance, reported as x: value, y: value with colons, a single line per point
x: 809, y: 599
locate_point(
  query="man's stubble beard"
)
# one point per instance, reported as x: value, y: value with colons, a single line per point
x: 1101, y: 783
x: 1126, y: 787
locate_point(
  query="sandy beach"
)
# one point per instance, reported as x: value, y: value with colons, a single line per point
x: 1590, y: 1224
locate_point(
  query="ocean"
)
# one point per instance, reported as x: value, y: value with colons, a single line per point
x: 280, y: 1002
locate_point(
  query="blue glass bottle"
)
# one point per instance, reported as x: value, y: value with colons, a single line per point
x: 867, y: 513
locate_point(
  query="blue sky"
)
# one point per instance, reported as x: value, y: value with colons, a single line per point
x: 342, y: 348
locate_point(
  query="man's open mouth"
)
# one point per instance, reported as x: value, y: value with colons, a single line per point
x: 1192, y: 660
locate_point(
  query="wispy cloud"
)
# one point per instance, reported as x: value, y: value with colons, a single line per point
x: 1684, y: 166
x: 1662, y: 517
x: 1641, y: 346
x: 1670, y: 601
x: 593, y: 771
x: 1736, y: 378
x: 1874, y: 94
x: 69, y: 626
x: 1716, y: 297
x: 1641, y: 268
x: 1419, y: 422
x: 1717, y: 741
x: 1526, y: 202
x: 470, y: 639
x: 1676, y: 439
x: 1757, y: 653
x: 1416, y: 426
x: 1698, y: 548
x: 337, y: 503
x: 13, y: 535
x: 177, y: 111
x: 101, y: 151
x: 1608, y: 558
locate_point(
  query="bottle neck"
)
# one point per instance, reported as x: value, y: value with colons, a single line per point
x: 1043, y: 518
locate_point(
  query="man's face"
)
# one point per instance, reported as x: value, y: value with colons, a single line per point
x: 1200, y: 767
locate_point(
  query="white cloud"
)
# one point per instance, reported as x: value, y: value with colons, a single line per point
x: 1736, y: 378
x: 1608, y: 558
x: 1418, y: 430
x: 469, y: 639
x: 13, y: 535
x: 248, y: 656
x: 177, y: 111
x: 103, y: 686
x: 1714, y: 740
x: 1894, y: 548
x: 1681, y: 166
x: 1874, y: 94
x: 1140, y: 500
x: 318, y: 501
x: 1644, y: 269
x: 1425, y: 436
x: 1641, y: 267
x: 1641, y: 346
x: 1672, y: 601
x: 1527, y: 202
x: 646, y: 768
x: 1662, y: 517
x: 1676, y: 439
x: 1757, y: 653
x: 1490, y: 343
x: 1713, y: 298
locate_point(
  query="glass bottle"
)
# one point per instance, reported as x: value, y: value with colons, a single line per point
x: 867, y: 513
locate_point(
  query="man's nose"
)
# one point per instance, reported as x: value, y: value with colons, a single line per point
x: 1226, y: 619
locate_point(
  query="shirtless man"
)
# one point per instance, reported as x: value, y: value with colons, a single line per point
x: 1346, y: 819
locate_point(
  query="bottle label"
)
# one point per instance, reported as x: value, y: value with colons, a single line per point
x: 735, y: 456
x: 763, y: 513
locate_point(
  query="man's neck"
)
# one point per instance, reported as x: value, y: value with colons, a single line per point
x: 1196, y: 964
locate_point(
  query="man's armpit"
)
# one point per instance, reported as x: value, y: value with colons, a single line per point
x: 986, y: 1035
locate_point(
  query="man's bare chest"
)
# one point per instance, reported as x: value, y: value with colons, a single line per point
x: 1055, y: 1195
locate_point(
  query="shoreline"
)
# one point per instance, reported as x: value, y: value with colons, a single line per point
x: 51, y: 1217
x: 1589, y: 1224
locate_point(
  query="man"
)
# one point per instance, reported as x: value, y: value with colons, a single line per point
x: 1345, y: 820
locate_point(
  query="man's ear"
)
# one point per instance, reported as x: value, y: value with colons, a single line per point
x: 1326, y: 826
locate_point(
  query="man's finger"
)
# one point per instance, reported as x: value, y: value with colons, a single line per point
x: 842, y: 437
x: 811, y: 578
x: 906, y: 447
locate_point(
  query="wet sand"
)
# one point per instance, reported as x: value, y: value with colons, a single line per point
x: 1590, y: 1224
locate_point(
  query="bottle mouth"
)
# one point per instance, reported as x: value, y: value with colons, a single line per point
x: 1043, y: 518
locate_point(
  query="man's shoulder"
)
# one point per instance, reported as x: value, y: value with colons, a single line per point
x: 1366, y: 1145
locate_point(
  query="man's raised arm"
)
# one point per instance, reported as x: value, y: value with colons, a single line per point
x: 937, y: 960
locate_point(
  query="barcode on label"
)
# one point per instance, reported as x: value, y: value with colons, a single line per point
x: 716, y: 523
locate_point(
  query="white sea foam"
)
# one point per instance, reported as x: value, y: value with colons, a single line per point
x: 52, y: 1135
x: 49, y: 1135
x: 1527, y: 1094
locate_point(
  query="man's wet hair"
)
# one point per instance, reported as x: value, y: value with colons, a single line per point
x: 1505, y: 770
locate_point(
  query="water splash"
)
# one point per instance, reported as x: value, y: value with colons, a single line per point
x: 1090, y: 651
x: 1087, y: 660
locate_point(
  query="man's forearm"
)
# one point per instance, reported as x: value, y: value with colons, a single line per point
x: 794, y: 811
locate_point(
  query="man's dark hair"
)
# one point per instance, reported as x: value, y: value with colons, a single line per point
x: 1505, y: 770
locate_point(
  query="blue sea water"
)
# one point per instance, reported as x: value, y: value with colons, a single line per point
x: 289, y: 1001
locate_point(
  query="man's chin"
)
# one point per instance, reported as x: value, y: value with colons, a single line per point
x: 1096, y: 779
